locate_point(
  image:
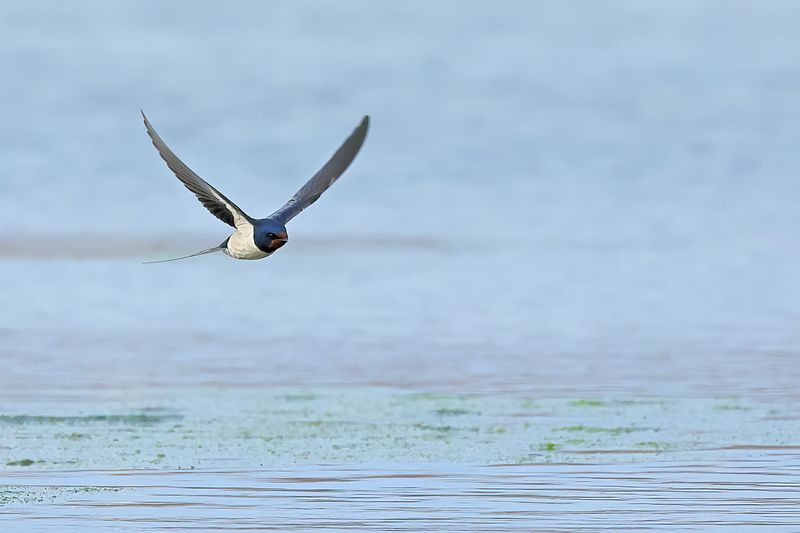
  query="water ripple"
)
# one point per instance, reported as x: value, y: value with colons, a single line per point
x: 738, y: 492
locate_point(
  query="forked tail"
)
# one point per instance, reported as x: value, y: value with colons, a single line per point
x: 209, y: 251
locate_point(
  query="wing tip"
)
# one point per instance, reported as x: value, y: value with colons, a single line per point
x: 148, y: 126
x: 362, y: 128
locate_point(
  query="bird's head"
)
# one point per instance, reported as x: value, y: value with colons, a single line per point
x: 270, y: 235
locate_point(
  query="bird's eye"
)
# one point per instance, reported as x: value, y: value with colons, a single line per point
x: 272, y: 236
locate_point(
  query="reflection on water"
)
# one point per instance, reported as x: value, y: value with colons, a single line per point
x: 737, y: 492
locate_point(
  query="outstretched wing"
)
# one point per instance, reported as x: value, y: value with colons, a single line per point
x: 323, y: 179
x: 211, y: 198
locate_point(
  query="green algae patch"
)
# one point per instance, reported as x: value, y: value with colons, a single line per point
x: 732, y: 407
x: 577, y: 442
x: 587, y: 403
x: 72, y: 436
x: 21, y: 495
x: 299, y: 397
x: 131, y: 419
x: 257, y: 427
x: 15, y: 495
x: 447, y: 411
x: 528, y: 403
x: 311, y: 423
x: 21, y: 462
x: 610, y: 431
x: 428, y: 427
x: 653, y: 445
x: 428, y: 396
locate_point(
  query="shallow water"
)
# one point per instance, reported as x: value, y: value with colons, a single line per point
x: 569, y: 247
x: 742, y: 494
x: 375, y: 458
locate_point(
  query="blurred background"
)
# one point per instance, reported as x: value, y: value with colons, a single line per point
x: 562, y: 197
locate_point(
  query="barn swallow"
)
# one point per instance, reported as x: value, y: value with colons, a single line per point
x: 258, y: 238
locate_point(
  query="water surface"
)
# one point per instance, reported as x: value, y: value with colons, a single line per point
x: 569, y: 248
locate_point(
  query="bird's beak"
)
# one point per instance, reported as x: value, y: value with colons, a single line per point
x: 276, y: 243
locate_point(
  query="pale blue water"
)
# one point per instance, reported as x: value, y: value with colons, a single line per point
x: 729, y: 496
x: 556, y: 200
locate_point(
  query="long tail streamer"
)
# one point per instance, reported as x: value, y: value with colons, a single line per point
x: 209, y: 251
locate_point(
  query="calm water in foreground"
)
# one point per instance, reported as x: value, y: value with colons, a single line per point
x: 557, y: 291
x: 745, y: 495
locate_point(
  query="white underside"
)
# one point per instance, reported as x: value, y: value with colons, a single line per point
x: 242, y: 246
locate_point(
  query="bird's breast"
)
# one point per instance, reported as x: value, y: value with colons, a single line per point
x: 242, y: 246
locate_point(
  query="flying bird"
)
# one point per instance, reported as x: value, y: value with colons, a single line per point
x: 258, y: 238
